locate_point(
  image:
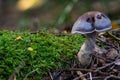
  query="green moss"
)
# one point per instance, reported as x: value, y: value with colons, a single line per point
x: 41, y: 52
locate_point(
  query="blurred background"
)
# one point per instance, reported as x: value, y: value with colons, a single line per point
x: 35, y: 15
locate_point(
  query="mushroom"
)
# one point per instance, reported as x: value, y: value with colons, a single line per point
x: 89, y: 25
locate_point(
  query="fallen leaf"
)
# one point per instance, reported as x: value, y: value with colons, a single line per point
x: 30, y: 49
x: 112, y: 53
x: 18, y: 38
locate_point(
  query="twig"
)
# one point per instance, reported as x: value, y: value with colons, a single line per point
x: 78, y: 78
x: 98, y: 69
x: 96, y: 78
x: 117, y: 38
x: 102, y: 73
x: 112, y: 76
x: 87, y: 70
x: 78, y: 69
x: 108, y: 44
x: 50, y: 75
x: 98, y: 56
x: 90, y: 75
x: 29, y: 74
x: 58, y: 73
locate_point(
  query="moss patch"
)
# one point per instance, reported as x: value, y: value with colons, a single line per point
x: 41, y: 52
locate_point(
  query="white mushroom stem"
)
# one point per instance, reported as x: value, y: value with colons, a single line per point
x: 84, y: 55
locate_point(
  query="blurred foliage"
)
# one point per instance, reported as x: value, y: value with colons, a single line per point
x: 51, y: 13
x: 64, y: 15
x: 26, y: 4
x: 41, y: 52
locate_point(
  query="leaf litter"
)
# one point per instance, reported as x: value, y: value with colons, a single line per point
x: 104, y: 66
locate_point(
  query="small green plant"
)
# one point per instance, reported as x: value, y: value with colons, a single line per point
x: 31, y: 56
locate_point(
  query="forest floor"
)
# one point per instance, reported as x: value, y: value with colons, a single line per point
x: 105, y: 66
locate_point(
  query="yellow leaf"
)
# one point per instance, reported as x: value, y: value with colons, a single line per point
x: 30, y: 49
x: 19, y: 38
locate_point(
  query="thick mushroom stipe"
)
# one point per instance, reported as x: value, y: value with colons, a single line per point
x: 86, y: 50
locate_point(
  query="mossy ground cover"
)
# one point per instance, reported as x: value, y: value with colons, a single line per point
x: 22, y: 53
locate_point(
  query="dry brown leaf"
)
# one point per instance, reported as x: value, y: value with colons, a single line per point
x: 112, y: 53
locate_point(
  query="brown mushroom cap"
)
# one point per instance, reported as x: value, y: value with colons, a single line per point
x: 93, y: 21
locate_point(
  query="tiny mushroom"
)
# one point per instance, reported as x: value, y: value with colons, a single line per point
x: 89, y: 24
